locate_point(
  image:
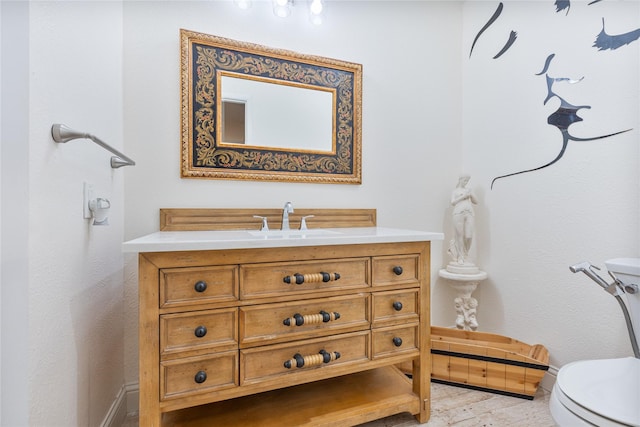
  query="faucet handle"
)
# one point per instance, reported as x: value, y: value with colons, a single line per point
x: 303, y: 222
x: 265, y: 226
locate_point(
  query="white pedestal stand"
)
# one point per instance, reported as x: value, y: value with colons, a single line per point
x: 465, y: 280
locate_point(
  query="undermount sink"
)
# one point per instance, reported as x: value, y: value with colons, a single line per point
x: 292, y: 234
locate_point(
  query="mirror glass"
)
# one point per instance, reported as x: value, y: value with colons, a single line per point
x: 234, y: 121
x: 265, y: 113
x: 259, y: 113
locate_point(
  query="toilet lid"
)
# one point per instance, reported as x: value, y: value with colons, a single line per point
x: 609, y: 387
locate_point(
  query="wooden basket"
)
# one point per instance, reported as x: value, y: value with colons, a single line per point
x: 487, y: 362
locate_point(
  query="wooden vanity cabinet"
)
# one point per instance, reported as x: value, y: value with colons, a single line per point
x: 284, y: 336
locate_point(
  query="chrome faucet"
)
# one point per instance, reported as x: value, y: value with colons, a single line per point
x: 288, y: 208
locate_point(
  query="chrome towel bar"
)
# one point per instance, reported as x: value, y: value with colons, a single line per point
x: 62, y: 133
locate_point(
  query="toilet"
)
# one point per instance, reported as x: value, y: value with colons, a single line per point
x: 603, y: 392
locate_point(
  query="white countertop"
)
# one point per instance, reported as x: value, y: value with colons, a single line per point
x: 165, y: 241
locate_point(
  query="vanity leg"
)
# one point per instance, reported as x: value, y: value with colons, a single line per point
x: 422, y: 364
x: 149, y: 345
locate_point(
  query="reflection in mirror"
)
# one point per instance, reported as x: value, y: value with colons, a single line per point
x: 233, y: 121
x: 276, y: 115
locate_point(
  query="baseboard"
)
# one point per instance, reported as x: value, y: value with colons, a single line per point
x: 133, y: 394
x: 126, y: 402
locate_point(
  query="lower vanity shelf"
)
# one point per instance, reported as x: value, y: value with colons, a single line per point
x: 345, y: 400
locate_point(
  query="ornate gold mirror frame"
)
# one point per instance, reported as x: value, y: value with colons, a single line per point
x: 206, y: 58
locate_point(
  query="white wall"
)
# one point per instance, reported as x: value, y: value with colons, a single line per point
x: 411, y: 112
x: 14, y: 226
x: 0, y: 222
x: 583, y: 208
x: 73, y: 367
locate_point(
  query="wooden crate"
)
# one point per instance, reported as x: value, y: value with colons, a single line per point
x: 487, y: 362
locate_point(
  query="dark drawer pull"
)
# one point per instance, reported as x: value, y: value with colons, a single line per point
x: 200, y: 286
x: 397, y: 270
x: 299, y: 361
x: 200, y: 331
x: 311, y: 319
x: 200, y: 377
x: 397, y: 341
x: 397, y: 306
x: 299, y: 279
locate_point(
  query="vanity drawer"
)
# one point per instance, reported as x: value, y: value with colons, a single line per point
x: 268, y: 362
x: 395, y: 307
x: 271, y: 323
x: 195, y: 375
x: 296, y: 278
x: 199, y: 285
x: 199, y: 331
x: 395, y: 341
x: 395, y: 270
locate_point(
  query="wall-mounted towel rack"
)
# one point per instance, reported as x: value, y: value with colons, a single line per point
x: 62, y: 133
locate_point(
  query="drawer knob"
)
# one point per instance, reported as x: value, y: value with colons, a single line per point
x: 200, y: 331
x: 200, y: 377
x: 397, y: 306
x: 397, y: 270
x: 299, y: 361
x: 200, y: 286
x: 311, y: 319
x: 397, y: 341
x: 299, y: 279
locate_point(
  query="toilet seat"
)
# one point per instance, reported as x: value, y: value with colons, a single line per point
x: 601, y: 392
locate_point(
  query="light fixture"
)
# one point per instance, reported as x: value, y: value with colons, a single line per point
x: 243, y: 4
x: 315, y: 11
x: 282, y: 8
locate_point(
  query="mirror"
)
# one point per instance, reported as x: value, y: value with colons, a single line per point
x: 252, y: 112
x: 255, y: 112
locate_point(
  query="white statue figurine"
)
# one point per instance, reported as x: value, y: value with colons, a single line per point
x: 462, y: 200
x: 461, y: 273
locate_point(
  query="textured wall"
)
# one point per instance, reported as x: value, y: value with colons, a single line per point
x: 586, y: 206
x: 75, y: 363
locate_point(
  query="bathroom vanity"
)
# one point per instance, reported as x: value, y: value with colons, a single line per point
x: 243, y: 327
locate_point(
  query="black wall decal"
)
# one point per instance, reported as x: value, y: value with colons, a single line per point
x: 512, y: 38
x: 562, y: 118
x: 547, y: 62
x: 605, y: 41
x: 566, y: 4
x: 562, y: 5
x: 493, y: 18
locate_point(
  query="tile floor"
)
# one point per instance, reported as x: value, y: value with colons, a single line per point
x: 459, y: 407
